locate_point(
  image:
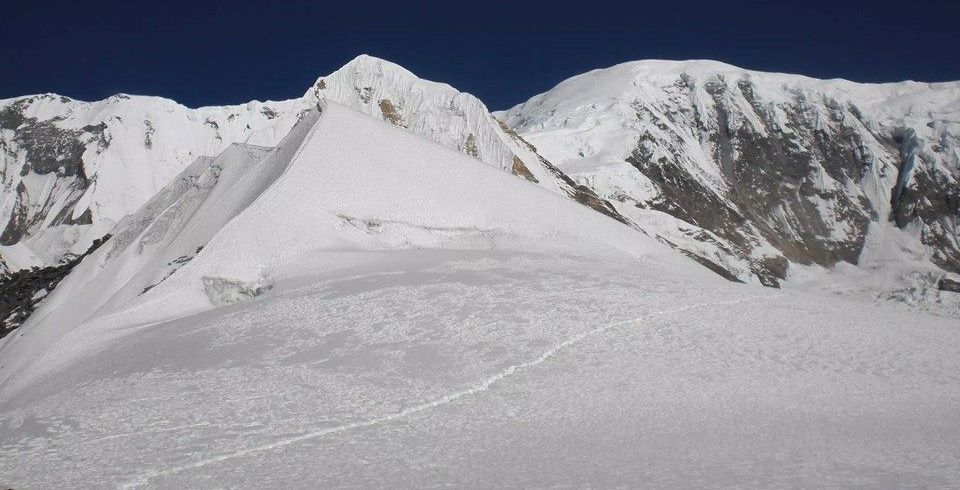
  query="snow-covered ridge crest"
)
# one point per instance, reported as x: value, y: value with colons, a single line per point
x: 446, y: 116
x: 73, y: 169
x: 615, y: 78
x: 437, y: 111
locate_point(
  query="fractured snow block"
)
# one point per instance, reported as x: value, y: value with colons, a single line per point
x: 222, y: 291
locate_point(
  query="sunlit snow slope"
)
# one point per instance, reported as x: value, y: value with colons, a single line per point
x: 230, y: 227
x: 361, y: 307
x: 71, y: 170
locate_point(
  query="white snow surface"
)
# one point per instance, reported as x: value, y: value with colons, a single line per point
x: 370, y: 309
x: 150, y: 140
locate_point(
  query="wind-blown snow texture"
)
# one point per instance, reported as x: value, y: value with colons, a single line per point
x: 765, y: 174
x: 361, y: 307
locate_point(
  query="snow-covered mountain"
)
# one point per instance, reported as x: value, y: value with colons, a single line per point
x: 148, y: 246
x: 768, y: 176
x: 757, y: 176
x: 444, y: 115
x: 359, y: 306
x: 72, y: 170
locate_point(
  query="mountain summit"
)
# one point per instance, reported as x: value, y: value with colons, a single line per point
x: 74, y: 169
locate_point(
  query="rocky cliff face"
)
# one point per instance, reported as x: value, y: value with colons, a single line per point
x: 22, y: 291
x: 762, y: 172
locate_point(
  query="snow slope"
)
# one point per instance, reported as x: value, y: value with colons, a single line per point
x: 233, y: 225
x: 371, y: 309
x: 439, y: 112
x: 72, y: 170
x: 764, y: 173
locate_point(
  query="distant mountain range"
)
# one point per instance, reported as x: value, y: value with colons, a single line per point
x: 760, y: 177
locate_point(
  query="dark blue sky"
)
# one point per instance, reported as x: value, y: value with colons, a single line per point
x: 230, y: 52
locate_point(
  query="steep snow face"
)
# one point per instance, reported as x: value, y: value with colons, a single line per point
x: 763, y: 169
x: 444, y: 115
x: 236, y: 226
x: 72, y: 170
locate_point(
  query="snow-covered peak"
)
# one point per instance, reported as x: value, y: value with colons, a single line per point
x: 625, y: 81
x: 365, y: 68
x: 765, y: 160
x: 442, y: 114
x: 341, y: 180
x: 121, y: 150
x: 82, y: 166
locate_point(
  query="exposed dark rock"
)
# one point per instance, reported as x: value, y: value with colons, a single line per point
x: 779, y: 170
x: 215, y: 126
x: 270, y: 113
x: 49, y: 148
x: 770, y: 270
x: 65, y: 217
x: 774, y: 188
x: 947, y: 284
x: 470, y: 146
x: 174, y: 265
x: 923, y: 195
x: 148, y: 134
x: 713, y: 266
x: 580, y: 193
x: 521, y: 170
x: 391, y: 113
x: 364, y: 94
x: 685, y: 197
x: 22, y: 291
x: 46, y: 149
x: 18, y: 223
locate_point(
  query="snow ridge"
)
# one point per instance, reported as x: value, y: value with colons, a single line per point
x: 114, y: 155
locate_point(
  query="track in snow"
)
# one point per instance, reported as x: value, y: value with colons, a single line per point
x: 484, y: 385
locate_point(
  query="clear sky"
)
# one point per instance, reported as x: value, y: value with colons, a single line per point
x: 210, y: 53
